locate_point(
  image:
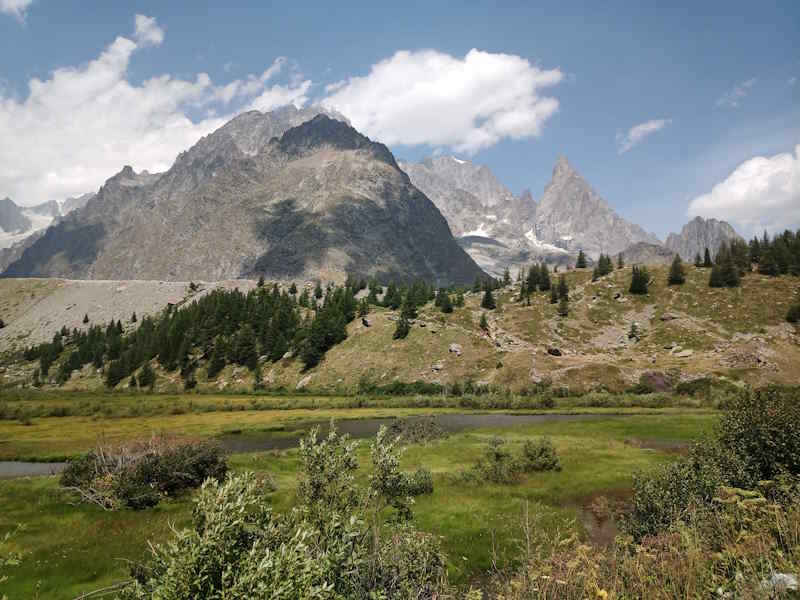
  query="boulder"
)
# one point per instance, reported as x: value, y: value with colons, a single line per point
x: 455, y: 349
x: 366, y: 322
x: 667, y: 316
x: 553, y: 351
x: 303, y: 382
x: 684, y: 353
x: 436, y: 367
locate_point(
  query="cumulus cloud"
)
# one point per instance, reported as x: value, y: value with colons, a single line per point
x: 82, y: 124
x: 761, y: 193
x: 147, y: 31
x: 431, y: 98
x: 626, y: 141
x: 733, y: 97
x: 15, y: 8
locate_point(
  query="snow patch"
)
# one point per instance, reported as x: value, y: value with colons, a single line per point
x: 480, y: 232
x: 459, y: 161
x: 38, y: 222
x: 491, y: 217
x: 542, y: 246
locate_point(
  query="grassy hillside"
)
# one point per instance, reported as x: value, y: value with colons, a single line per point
x: 685, y: 332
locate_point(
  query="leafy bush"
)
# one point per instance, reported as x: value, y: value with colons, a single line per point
x: 420, y: 483
x: 540, y: 455
x: 138, y: 475
x: 338, y: 543
x: 757, y: 439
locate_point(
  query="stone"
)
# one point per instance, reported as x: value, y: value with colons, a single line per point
x: 303, y: 382
x: 553, y: 351
x: 684, y: 354
x: 436, y: 367
x: 780, y: 583
x: 455, y: 349
x: 422, y: 324
x: 668, y: 317
x: 288, y: 354
x: 366, y: 322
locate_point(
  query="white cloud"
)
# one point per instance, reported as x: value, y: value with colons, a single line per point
x: 792, y: 81
x: 147, y: 31
x: 637, y: 133
x: 432, y: 98
x: 732, y: 97
x: 82, y: 124
x: 15, y: 8
x: 761, y: 193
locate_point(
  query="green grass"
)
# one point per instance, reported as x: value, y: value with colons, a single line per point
x: 74, y: 548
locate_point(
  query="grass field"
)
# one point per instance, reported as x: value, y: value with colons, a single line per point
x: 71, y: 548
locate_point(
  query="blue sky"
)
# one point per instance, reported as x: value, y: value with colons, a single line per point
x: 715, y: 82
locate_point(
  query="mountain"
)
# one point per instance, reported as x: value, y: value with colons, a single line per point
x: 572, y: 215
x: 71, y: 204
x: 645, y: 253
x: 501, y: 230
x: 259, y: 196
x: 12, y: 218
x: 699, y: 234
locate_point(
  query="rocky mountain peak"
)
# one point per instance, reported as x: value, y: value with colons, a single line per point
x: 562, y: 168
x: 699, y: 234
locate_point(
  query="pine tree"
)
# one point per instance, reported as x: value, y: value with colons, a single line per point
x: 698, y: 260
x: 459, y: 300
x: 677, y: 274
x: 620, y: 261
x: 716, y: 279
x: 553, y: 295
x: 147, y: 377
x: 581, y: 262
x: 534, y: 278
x: 477, y: 286
x: 488, y: 300
x: 484, y: 324
x: 260, y: 283
x: 318, y: 291
x: 293, y: 289
x: 707, y: 259
x: 303, y: 299
x: 402, y: 330
x: 85, y: 319
x: 446, y: 304
x: 217, y: 362
x: 133, y: 317
x: 506, y: 277
x: 563, y: 289
x: 363, y: 308
x: 639, y: 280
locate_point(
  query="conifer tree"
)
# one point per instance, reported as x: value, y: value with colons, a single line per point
x: 459, y: 300
x: 698, y: 260
x: 260, y: 283
x: 217, y: 362
x: 534, y: 275
x: 488, y: 300
x: 85, y: 319
x: 303, y: 299
x: 147, y: 377
x: 553, y: 295
x: 563, y: 289
x: 506, y: 277
x: 544, y: 278
x: 403, y: 328
x: 363, y: 308
x: 639, y: 280
x: 716, y: 279
x: 293, y: 289
x: 581, y: 262
x: 133, y: 317
x: 620, y: 261
x: 677, y: 274
x: 484, y: 324
x: 477, y: 286
x: 707, y: 259
x: 563, y: 307
x: 446, y: 304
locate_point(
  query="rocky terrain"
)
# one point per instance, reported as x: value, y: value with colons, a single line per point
x: 699, y: 234
x: 500, y: 230
x: 320, y: 201
x: 683, y: 333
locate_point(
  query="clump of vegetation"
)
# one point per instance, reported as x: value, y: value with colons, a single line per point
x: 757, y: 440
x: 580, y: 263
x: 603, y: 267
x: 417, y: 431
x: 677, y: 272
x: 342, y: 541
x: 499, y: 465
x: 138, y: 475
x: 640, y: 279
x: 7, y: 558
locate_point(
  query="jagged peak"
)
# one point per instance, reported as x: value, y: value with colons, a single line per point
x: 562, y: 167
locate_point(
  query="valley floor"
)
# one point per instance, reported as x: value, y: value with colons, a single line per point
x: 70, y: 548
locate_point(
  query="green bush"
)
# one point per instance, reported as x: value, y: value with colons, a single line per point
x: 540, y: 455
x: 420, y: 483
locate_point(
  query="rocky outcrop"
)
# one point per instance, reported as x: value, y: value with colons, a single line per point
x: 316, y: 201
x: 642, y: 253
x: 12, y: 219
x: 699, y: 234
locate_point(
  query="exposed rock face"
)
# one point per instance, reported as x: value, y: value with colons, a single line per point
x: 699, y: 234
x: 12, y: 219
x: 71, y: 204
x: 573, y: 215
x: 642, y: 253
x: 320, y: 201
x: 500, y: 230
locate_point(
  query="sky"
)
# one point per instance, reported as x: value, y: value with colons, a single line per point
x: 669, y: 109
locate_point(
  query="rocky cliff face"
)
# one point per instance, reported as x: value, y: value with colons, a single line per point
x: 571, y: 214
x: 500, y: 230
x: 699, y: 234
x: 263, y: 195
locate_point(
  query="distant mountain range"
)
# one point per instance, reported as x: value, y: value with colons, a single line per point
x: 287, y: 195
x: 300, y: 194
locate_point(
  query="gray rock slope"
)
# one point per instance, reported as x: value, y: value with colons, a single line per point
x: 699, y: 234
x: 318, y: 202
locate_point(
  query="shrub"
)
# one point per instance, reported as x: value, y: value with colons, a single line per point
x: 639, y: 280
x: 138, y: 475
x: 420, y: 483
x: 540, y: 455
x: 335, y: 544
